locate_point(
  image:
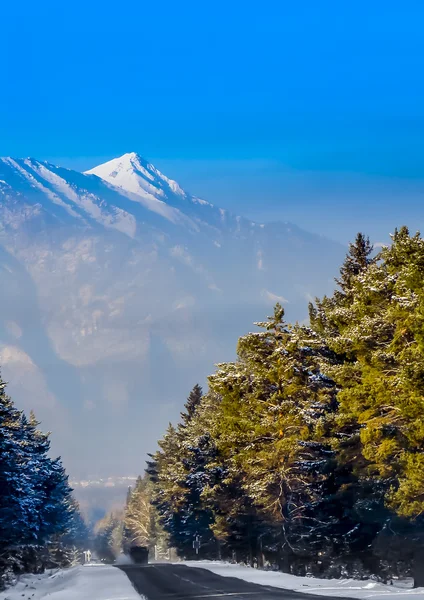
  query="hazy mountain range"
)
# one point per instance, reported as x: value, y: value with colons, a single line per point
x: 120, y: 291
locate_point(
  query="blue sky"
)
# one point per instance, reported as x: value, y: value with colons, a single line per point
x: 305, y: 111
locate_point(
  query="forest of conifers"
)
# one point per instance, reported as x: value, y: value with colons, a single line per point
x: 307, y: 452
x: 40, y: 523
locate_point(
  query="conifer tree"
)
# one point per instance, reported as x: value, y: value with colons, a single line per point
x: 36, y: 507
x: 378, y: 340
x: 193, y: 401
x: 376, y: 336
x: 17, y: 495
x: 357, y: 261
x: 138, y: 517
x: 277, y: 409
x: 108, y: 538
x: 165, y: 471
x: 129, y: 493
x: 180, y: 473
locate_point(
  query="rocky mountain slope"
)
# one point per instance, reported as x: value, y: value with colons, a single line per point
x: 121, y: 290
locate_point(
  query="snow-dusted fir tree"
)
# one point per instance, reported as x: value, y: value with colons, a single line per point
x: 138, y: 517
x: 277, y: 409
x: 378, y: 336
x: 174, y: 472
x: 36, y: 507
x: 375, y: 327
x: 18, y: 497
x: 141, y: 520
x: 166, y: 471
x: 193, y: 402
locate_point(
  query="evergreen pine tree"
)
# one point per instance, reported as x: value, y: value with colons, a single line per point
x: 179, y: 472
x: 17, y: 494
x: 193, y: 401
x: 376, y: 336
x: 277, y: 411
x: 108, y: 536
x: 35, y: 499
x: 356, y: 262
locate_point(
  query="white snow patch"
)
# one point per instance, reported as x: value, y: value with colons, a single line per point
x: 214, y: 287
x: 141, y: 182
x: 185, y: 302
x: 89, y: 582
x: 37, y: 184
x: 118, y: 219
x: 347, y: 588
x: 159, y: 207
x: 197, y: 200
x: 182, y: 254
x: 273, y: 298
x: 13, y: 354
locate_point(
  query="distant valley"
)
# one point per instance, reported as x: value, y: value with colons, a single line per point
x: 121, y: 290
x: 96, y: 497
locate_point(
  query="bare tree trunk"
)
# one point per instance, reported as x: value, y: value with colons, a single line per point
x: 284, y: 563
x: 261, y: 559
x: 418, y: 568
x: 218, y: 544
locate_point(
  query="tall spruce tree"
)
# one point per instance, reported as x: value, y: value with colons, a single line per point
x: 178, y: 473
x: 378, y: 339
x: 36, y: 507
x: 377, y: 335
x: 18, y: 499
x: 277, y: 409
x: 193, y: 402
x: 139, y: 517
x: 356, y: 262
x: 108, y: 536
x: 166, y: 472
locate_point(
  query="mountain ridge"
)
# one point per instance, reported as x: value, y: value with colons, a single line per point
x: 133, y: 296
x: 38, y: 167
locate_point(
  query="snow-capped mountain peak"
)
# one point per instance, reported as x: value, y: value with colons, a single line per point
x: 135, y: 175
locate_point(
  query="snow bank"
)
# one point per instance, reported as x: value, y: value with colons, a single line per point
x: 348, y: 588
x: 88, y: 582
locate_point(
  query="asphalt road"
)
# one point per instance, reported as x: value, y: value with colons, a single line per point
x: 178, y: 582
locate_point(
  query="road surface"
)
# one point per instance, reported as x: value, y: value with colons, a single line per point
x: 179, y: 582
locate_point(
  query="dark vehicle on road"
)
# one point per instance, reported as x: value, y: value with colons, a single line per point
x: 139, y: 554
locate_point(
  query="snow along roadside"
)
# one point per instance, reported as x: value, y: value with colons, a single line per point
x: 347, y: 588
x: 89, y: 582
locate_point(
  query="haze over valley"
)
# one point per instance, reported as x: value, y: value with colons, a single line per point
x: 122, y: 290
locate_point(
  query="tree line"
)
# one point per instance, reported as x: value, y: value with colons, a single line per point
x: 306, y: 453
x: 40, y: 523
